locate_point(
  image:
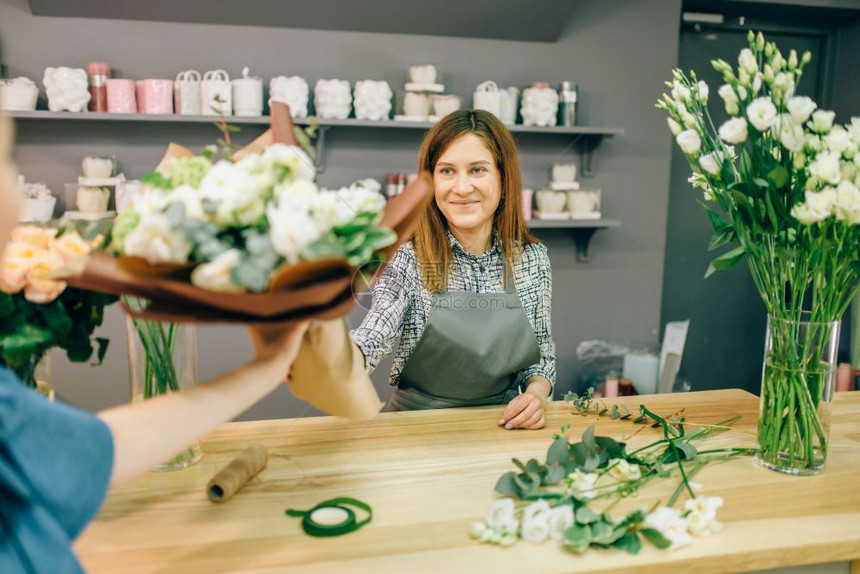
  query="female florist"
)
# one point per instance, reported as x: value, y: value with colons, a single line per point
x: 304, y: 320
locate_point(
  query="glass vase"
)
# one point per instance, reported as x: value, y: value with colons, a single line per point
x: 798, y: 379
x: 162, y: 359
x: 35, y: 372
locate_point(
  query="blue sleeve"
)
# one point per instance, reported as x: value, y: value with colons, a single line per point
x: 55, y: 465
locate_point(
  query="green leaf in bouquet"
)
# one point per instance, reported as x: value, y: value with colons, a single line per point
x: 630, y: 543
x: 379, y: 238
x: 102, y: 349
x: 656, y: 538
x: 175, y: 214
x: 210, y: 249
x: 558, y: 451
x: 779, y: 177
x: 250, y: 276
x: 555, y: 473
x: 507, y: 486
x: 208, y: 205
x: 678, y: 451
x: 725, y: 261
x: 156, y: 179
x: 357, y: 259
x: 855, y: 266
x: 80, y: 350
x: 56, y: 318
x: 304, y: 139
x: 327, y: 246
x: 258, y: 244
x: 761, y: 183
x: 354, y: 241
x: 602, y: 533
x: 125, y: 222
x: 585, y: 515
x: 7, y: 305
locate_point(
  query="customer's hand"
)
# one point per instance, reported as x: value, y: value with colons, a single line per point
x: 278, y: 343
x: 527, y: 411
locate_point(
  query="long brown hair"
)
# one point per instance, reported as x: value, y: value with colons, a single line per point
x: 432, y: 249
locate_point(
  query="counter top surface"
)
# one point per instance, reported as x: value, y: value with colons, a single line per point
x: 429, y: 474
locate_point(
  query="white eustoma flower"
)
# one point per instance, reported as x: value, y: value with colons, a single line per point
x: 711, y: 163
x: 156, y: 241
x: 800, y: 108
x: 791, y: 134
x: 477, y: 529
x: 189, y: 198
x: 849, y: 171
x: 848, y: 203
x: 622, y: 470
x: 367, y: 184
x: 291, y: 231
x: 329, y: 209
x: 702, y: 515
x: 742, y: 92
x: 149, y: 200
x: 500, y: 513
x: 730, y: 98
x: 762, y: 113
x: 826, y: 168
x: 535, y: 522
x: 817, y: 206
x: 581, y: 484
x: 838, y: 140
x: 822, y: 121
x: 235, y: 192
x: 560, y: 519
x: 734, y: 131
x: 799, y: 161
x: 756, y: 83
x: 854, y: 130
x: 671, y: 525
x: 812, y: 143
x: 507, y: 539
x: 300, y: 166
x: 784, y: 84
x: 215, y: 275
x: 747, y: 61
x: 702, y: 92
x: 260, y: 170
x: 689, y: 141
x: 674, y: 126
x: 680, y: 93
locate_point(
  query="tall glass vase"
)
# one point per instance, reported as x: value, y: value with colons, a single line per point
x: 162, y: 359
x: 798, y: 379
x: 35, y: 372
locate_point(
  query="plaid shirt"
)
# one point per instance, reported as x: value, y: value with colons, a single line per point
x: 401, y: 304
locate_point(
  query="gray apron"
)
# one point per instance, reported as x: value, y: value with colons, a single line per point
x: 470, y: 352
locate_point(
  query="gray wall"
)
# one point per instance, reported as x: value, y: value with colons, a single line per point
x: 846, y: 85
x: 618, y: 51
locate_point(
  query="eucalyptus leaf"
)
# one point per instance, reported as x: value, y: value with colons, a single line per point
x: 656, y: 538
x: 507, y: 486
x: 601, y: 532
x: 558, y: 451
x: 577, y: 538
x: 585, y: 515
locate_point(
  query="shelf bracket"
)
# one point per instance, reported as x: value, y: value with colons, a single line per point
x: 582, y: 238
x: 587, y: 150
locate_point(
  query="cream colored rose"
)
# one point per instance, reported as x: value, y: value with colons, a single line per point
x: 822, y: 121
x: 40, y: 287
x: 837, y: 140
x: 36, y: 236
x: 734, y: 131
x: 817, y: 207
x: 848, y: 203
x: 17, y: 260
x: 215, y: 275
x: 69, y: 246
x: 791, y: 134
x: 291, y: 231
x: 156, y: 241
x: 560, y: 519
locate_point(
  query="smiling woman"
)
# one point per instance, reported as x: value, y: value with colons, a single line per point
x: 467, y: 301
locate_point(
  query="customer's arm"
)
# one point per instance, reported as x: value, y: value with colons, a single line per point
x: 145, y: 434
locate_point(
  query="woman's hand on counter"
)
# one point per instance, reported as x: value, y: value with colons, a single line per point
x: 528, y: 410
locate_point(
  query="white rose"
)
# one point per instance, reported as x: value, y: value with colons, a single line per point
x: 154, y: 240
x: 671, y: 525
x: 500, y: 513
x: 189, y: 198
x: 296, y: 193
x: 822, y: 121
x: 260, y: 170
x: 838, y: 140
x: 674, y: 126
x: 747, y: 61
x: 581, y: 484
x: 761, y: 113
x: 536, y: 509
x: 826, y: 168
x: 149, y: 200
x: 536, y: 530
x: 848, y: 203
x: 560, y: 519
x: 301, y: 167
x: 291, y: 231
x: 791, y: 134
x: 215, y: 275
x: 849, y: 171
x: 235, y: 192
x: 817, y: 207
x: 689, y: 141
x: 734, y: 131
x: 727, y: 93
x: 622, y: 470
x: 800, y: 108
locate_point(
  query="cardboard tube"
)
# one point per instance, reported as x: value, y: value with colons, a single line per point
x: 329, y: 373
x: 233, y: 477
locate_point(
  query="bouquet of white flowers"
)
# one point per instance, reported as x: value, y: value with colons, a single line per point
x: 783, y: 182
x: 254, y: 226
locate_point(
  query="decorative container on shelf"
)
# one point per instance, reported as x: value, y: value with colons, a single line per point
x: 539, y: 105
x: 372, y: 100
x: 293, y: 91
x: 332, y: 99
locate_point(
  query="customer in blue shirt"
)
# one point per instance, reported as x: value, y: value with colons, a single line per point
x: 57, y: 462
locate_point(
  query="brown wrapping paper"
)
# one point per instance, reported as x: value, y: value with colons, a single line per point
x: 233, y: 477
x: 329, y: 373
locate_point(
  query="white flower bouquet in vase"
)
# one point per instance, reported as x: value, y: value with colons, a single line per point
x: 780, y: 183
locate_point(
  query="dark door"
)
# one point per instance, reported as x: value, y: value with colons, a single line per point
x: 725, y: 343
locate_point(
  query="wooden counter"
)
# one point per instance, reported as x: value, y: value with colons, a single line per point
x: 429, y: 474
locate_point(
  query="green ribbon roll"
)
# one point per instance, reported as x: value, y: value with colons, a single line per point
x: 332, y: 517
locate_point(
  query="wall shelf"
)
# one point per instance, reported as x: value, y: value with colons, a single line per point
x: 587, y: 137
x: 582, y: 230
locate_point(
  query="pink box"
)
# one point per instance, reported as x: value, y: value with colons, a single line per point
x: 120, y: 96
x: 155, y: 96
x: 527, y: 203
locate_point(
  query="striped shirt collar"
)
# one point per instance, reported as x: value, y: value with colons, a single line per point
x: 458, y: 247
